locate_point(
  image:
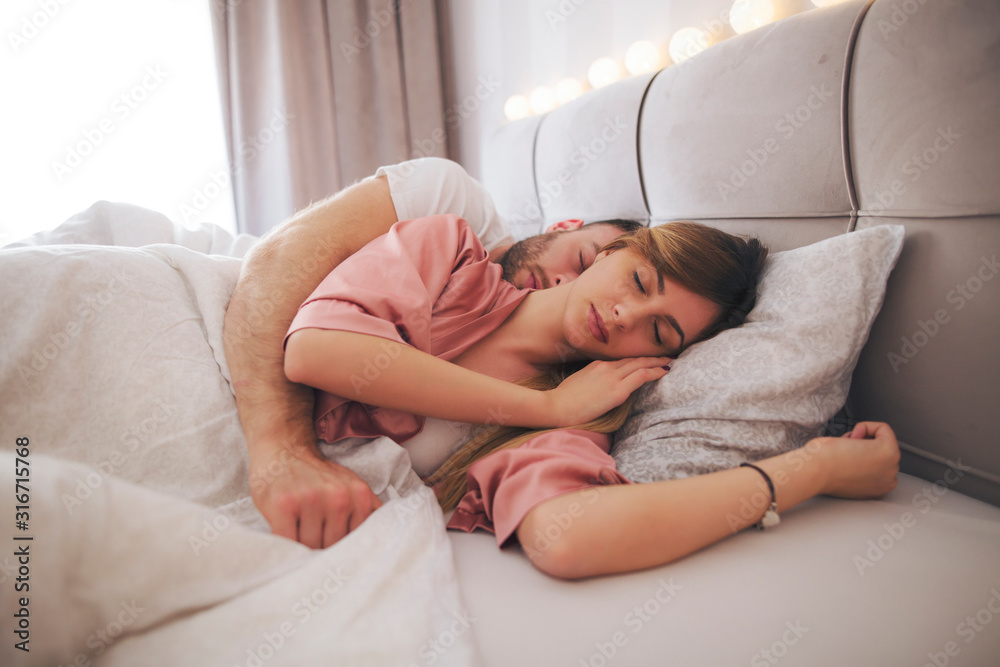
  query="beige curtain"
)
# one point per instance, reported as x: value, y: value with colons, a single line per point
x: 317, y: 94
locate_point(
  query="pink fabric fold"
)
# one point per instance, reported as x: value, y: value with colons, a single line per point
x: 426, y: 283
x: 505, y: 485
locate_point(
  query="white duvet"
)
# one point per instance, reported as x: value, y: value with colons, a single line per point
x: 145, y: 548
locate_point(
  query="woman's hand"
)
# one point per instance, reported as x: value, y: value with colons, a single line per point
x: 600, y: 386
x: 862, y: 464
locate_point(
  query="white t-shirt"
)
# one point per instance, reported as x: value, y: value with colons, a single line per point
x: 433, y: 185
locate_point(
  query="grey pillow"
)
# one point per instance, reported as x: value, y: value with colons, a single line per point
x: 770, y: 385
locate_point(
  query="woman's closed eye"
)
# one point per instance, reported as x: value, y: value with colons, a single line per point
x: 656, y: 326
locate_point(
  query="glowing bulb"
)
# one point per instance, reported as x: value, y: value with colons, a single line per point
x: 568, y: 90
x: 642, y: 57
x: 542, y: 99
x: 516, y: 107
x: 604, y: 71
x: 687, y: 42
x: 749, y: 14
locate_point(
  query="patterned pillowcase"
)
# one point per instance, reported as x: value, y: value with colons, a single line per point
x: 772, y: 384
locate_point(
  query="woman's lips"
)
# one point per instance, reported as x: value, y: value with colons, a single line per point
x: 597, y: 329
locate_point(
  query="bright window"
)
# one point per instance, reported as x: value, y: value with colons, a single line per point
x: 110, y: 99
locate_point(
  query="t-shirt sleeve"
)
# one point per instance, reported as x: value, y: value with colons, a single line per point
x: 432, y: 186
x: 389, y: 287
x: 505, y: 485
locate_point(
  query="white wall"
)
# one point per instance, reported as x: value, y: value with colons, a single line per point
x: 498, y: 48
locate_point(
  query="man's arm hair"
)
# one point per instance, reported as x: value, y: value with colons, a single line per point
x: 279, y: 273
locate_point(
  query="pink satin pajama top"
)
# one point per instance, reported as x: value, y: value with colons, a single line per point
x: 428, y: 283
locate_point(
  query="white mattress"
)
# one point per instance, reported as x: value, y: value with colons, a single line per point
x: 900, y: 581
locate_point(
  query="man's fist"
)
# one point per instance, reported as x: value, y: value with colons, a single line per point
x: 309, y: 499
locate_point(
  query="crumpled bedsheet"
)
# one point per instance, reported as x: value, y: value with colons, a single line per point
x: 140, y: 544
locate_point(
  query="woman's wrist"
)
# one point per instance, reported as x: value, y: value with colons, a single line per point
x: 820, y: 455
x: 553, y: 412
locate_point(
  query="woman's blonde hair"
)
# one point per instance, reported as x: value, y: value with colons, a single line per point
x: 721, y: 267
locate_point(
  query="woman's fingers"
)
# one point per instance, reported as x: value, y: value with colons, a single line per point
x: 865, y: 462
x: 643, y: 362
x: 872, y: 430
x: 601, y: 386
x: 641, y: 376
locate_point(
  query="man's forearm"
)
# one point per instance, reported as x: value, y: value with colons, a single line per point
x: 272, y: 409
x: 277, y: 276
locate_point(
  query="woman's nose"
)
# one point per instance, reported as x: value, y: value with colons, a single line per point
x: 623, y: 316
x: 561, y: 278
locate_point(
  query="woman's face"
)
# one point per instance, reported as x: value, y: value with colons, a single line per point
x: 620, y: 308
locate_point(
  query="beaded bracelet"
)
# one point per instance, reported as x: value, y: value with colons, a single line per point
x: 770, y: 517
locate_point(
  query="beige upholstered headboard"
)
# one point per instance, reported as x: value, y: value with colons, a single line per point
x: 829, y: 121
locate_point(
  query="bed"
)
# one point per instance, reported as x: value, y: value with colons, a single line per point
x: 828, y: 123
x: 119, y: 424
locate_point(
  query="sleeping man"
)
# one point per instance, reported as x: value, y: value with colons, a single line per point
x: 303, y: 496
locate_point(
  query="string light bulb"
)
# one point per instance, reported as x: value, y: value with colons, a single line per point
x: 688, y: 42
x: 516, y: 107
x: 604, y: 71
x: 746, y: 15
x: 542, y: 99
x: 642, y: 57
x: 567, y: 90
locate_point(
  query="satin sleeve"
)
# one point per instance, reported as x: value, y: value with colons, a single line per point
x: 387, y: 289
x: 390, y: 286
x: 505, y: 485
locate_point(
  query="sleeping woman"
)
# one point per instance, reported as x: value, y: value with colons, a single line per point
x: 420, y: 324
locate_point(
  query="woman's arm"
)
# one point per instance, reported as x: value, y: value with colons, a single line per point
x: 377, y: 371
x: 620, y: 528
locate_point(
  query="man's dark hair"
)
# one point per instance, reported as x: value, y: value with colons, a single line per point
x: 626, y: 226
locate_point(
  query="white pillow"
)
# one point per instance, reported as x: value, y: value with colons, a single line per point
x: 770, y: 385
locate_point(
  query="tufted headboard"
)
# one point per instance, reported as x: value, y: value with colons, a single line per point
x: 837, y: 119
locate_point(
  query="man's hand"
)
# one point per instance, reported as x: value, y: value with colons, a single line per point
x: 309, y: 499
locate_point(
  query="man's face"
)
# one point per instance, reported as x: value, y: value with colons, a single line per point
x: 556, y: 257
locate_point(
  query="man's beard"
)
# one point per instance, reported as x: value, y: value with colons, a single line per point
x: 523, y: 253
